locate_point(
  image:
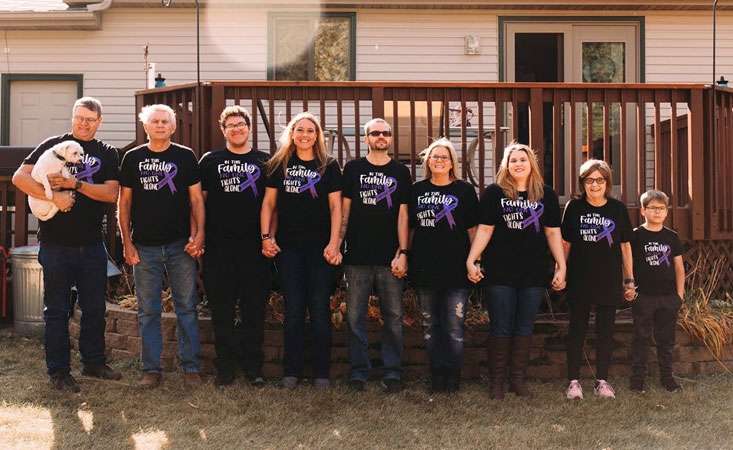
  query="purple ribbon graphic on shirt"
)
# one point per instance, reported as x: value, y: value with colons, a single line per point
x: 251, y: 181
x: 388, y: 191
x: 310, y: 186
x: 534, y: 217
x: 91, y: 167
x: 606, y: 233
x: 666, y: 253
x: 446, y: 212
x: 168, y: 178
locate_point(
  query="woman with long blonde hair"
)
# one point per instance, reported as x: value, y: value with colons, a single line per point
x: 304, y: 187
x: 519, y: 219
x: 442, y: 220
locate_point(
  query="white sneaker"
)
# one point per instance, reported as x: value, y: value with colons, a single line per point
x: 604, y: 389
x: 574, y: 390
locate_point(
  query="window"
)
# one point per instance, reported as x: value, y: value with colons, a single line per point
x: 312, y: 47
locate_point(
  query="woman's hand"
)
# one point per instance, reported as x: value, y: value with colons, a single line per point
x: 270, y: 248
x: 630, y: 293
x: 474, y: 272
x: 558, y: 279
x: 399, y: 265
x: 332, y: 254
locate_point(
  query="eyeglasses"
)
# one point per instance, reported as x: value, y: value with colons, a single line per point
x: 600, y: 181
x: 376, y: 133
x: 86, y: 120
x: 439, y: 158
x: 235, y: 126
x: 656, y: 208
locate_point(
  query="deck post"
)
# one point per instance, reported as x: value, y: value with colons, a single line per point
x: 695, y: 164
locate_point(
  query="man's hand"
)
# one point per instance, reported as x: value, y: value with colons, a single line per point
x: 195, y: 246
x: 332, y: 254
x: 64, y: 200
x: 130, y: 253
x: 270, y: 248
x: 399, y: 265
x: 473, y: 271
x: 558, y: 279
x: 59, y: 182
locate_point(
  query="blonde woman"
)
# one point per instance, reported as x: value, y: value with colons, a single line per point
x: 597, y: 233
x: 304, y: 187
x: 519, y: 218
x: 442, y: 221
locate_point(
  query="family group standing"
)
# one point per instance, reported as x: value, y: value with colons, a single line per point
x: 239, y: 210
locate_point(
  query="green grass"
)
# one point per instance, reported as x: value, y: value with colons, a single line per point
x: 118, y: 415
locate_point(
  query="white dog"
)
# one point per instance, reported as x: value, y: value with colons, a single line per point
x: 53, y: 161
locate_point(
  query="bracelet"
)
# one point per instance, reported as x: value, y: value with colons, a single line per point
x: 266, y: 236
x: 629, y: 280
x: 404, y: 251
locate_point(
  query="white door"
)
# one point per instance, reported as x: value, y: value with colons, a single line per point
x: 39, y: 109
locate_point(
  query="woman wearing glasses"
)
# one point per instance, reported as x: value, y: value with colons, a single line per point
x: 519, y: 218
x: 597, y: 232
x: 443, y: 222
x: 304, y: 187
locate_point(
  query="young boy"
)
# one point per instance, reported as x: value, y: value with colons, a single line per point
x: 660, y: 275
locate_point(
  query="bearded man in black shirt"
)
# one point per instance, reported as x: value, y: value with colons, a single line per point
x: 72, y: 252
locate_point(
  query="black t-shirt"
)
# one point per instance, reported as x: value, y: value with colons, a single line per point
x: 440, y: 217
x: 654, y: 253
x: 517, y: 254
x: 303, y: 214
x: 595, y: 263
x: 376, y: 193
x: 161, y: 205
x: 83, y: 224
x: 235, y: 185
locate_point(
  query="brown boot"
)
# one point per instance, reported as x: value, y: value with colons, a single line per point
x: 519, y: 361
x: 498, y: 356
x: 150, y: 380
x: 192, y: 379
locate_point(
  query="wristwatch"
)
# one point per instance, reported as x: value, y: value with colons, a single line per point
x: 404, y: 251
x: 77, y: 185
x: 266, y: 236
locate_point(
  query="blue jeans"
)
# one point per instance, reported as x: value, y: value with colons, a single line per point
x: 307, y: 282
x: 443, y: 316
x: 64, y: 267
x: 155, y: 261
x: 359, y: 283
x: 512, y: 310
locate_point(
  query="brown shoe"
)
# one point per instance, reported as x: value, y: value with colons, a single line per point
x: 150, y: 380
x: 519, y: 361
x: 192, y: 379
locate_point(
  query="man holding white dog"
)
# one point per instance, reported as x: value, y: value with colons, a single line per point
x: 161, y: 192
x: 72, y: 251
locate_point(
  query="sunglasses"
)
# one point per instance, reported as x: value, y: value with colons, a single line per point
x: 385, y: 133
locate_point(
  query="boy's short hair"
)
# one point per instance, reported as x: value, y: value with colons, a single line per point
x: 653, y: 195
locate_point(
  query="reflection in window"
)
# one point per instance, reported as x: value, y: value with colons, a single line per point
x: 316, y: 48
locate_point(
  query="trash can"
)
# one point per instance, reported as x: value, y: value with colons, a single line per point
x: 27, y: 290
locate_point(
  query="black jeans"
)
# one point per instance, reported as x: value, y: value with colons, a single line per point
x: 86, y: 268
x: 233, y: 271
x: 654, y: 315
x: 605, y: 324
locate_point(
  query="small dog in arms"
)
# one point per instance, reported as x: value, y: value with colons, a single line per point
x: 54, y: 160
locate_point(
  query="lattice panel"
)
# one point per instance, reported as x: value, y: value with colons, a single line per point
x: 713, y: 250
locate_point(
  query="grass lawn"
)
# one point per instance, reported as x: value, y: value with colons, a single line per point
x: 112, y: 415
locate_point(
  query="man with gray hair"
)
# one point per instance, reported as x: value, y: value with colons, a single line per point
x: 376, y: 191
x: 72, y: 249
x: 161, y: 192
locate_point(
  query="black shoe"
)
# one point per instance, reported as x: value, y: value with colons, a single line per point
x: 437, y: 381
x: 453, y: 382
x: 670, y: 384
x: 357, y: 385
x: 637, y: 385
x: 391, y: 385
x: 64, y: 382
x: 224, y: 377
x: 103, y: 371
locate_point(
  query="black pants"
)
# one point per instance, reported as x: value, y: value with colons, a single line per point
x: 237, y: 271
x: 654, y: 315
x: 605, y: 324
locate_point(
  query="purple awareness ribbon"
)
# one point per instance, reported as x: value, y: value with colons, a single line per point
x: 606, y: 233
x: 168, y: 178
x: 665, y: 256
x: 251, y: 181
x: 446, y: 212
x: 388, y: 191
x: 90, y: 168
x: 534, y: 217
x: 310, y: 186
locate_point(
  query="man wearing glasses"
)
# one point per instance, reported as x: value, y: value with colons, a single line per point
x: 72, y: 252
x: 233, y: 183
x: 376, y: 191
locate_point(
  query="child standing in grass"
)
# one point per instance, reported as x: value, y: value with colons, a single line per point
x: 660, y: 274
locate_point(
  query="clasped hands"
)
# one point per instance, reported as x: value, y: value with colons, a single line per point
x: 475, y: 274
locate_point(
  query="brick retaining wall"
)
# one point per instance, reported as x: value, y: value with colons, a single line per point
x: 547, y: 358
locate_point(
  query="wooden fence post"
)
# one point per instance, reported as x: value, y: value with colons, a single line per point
x: 695, y: 167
